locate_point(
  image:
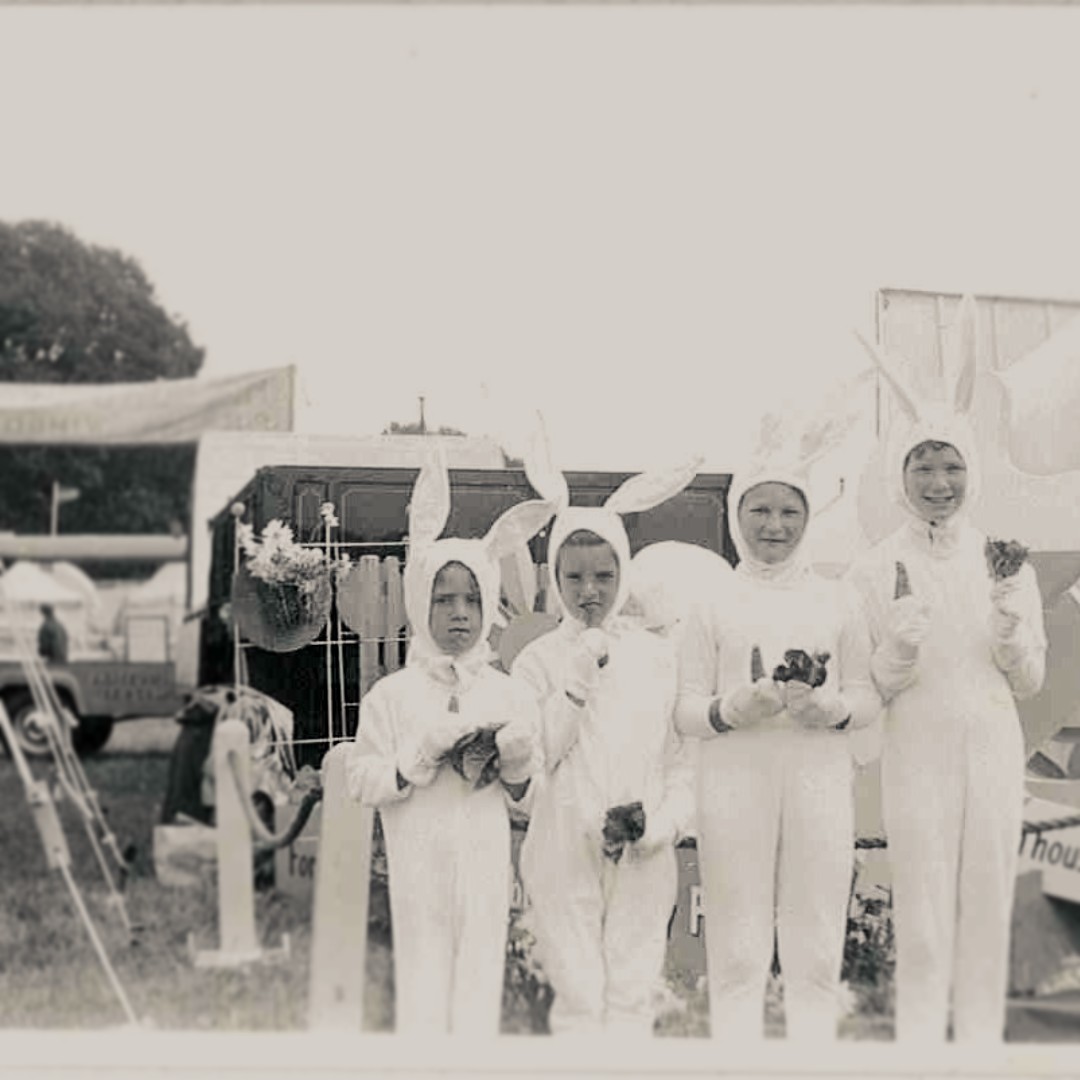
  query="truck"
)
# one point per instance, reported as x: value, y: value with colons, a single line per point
x: 94, y: 693
x: 98, y: 688
x: 371, y: 505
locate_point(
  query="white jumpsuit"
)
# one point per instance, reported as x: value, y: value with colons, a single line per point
x: 601, y: 926
x: 952, y: 778
x: 447, y: 845
x: 775, y: 800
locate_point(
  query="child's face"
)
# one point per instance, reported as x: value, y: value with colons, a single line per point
x: 772, y: 520
x: 935, y: 482
x: 456, y: 611
x: 588, y: 577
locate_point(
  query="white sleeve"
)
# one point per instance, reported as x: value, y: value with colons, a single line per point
x: 526, y: 710
x: 856, y: 684
x: 890, y: 672
x: 1023, y: 659
x: 697, y: 675
x: 371, y: 772
x: 558, y: 716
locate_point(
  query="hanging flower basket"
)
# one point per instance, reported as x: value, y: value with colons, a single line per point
x: 280, y: 616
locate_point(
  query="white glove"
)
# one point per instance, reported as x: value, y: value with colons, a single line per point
x: 419, y: 763
x: 660, y: 834
x: 1005, y: 621
x: 584, y: 674
x: 906, y: 626
x: 821, y: 707
x: 517, y: 742
x: 750, y: 703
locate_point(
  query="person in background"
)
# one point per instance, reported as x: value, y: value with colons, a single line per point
x: 52, y: 637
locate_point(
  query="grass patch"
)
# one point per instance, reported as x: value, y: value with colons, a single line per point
x: 50, y: 977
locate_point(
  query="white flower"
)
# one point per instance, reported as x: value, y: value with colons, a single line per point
x: 328, y: 515
x: 277, y: 558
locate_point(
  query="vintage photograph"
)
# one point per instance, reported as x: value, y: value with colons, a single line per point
x: 539, y: 538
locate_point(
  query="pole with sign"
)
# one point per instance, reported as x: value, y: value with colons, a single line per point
x: 60, y: 494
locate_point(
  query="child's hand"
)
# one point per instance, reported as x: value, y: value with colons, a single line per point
x: 585, y: 664
x: 420, y: 763
x: 1004, y: 614
x: 816, y: 707
x: 660, y: 834
x: 907, y: 624
x: 518, y: 751
x: 750, y: 703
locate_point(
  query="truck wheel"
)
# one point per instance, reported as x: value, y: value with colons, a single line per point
x: 27, y: 722
x: 92, y: 734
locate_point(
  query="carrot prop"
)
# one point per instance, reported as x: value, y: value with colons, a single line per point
x: 903, y: 585
x: 757, y: 668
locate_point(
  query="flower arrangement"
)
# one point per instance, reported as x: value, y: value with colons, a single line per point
x: 278, y: 559
x: 291, y: 580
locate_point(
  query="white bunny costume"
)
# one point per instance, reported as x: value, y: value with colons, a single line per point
x: 775, y: 798
x: 601, y: 926
x: 953, y: 752
x: 447, y: 845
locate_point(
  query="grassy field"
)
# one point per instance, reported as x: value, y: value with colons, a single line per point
x: 50, y: 977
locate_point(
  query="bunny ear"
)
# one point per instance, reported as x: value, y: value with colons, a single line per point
x: 835, y: 420
x: 540, y: 469
x: 964, y: 354
x: 907, y: 399
x: 429, y: 505
x: 518, y: 576
x: 649, y: 489
x: 514, y: 528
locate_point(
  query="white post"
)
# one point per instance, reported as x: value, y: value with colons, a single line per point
x: 235, y: 859
x: 54, y: 509
x: 339, y: 914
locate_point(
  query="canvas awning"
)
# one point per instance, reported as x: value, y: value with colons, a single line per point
x: 162, y: 411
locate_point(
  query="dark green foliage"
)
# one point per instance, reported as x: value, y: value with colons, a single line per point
x: 74, y: 313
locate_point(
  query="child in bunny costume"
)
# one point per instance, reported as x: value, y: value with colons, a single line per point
x: 606, y: 689
x: 949, y: 657
x: 775, y: 804
x: 448, y: 841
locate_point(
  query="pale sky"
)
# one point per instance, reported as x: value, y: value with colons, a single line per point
x: 644, y: 220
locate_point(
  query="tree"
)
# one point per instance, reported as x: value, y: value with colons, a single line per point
x: 72, y: 312
x: 414, y: 427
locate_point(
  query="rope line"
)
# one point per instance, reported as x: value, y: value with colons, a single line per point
x: 267, y: 840
x: 1029, y: 827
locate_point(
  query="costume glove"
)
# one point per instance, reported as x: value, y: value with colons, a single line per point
x: 821, y: 707
x: 518, y: 747
x: 585, y: 664
x: 420, y: 762
x: 906, y: 625
x: 1005, y: 622
x: 660, y: 833
x: 749, y: 703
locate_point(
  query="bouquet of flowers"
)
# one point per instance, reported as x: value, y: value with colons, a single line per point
x: 292, y: 583
x: 1004, y: 558
x: 622, y: 825
x: 800, y: 666
x: 475, y: 758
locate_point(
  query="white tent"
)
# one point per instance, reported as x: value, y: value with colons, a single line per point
x: 24, y: 587
x: 152, y: 613
x: 75, y: 579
